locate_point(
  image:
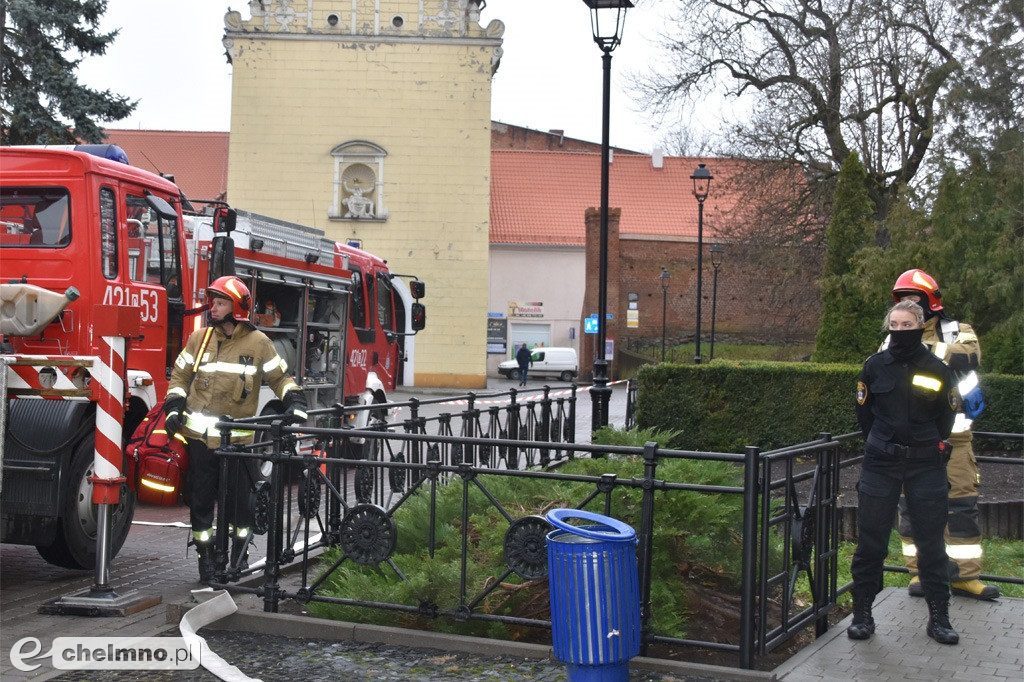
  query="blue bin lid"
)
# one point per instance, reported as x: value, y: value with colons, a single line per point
x: 610, y: 530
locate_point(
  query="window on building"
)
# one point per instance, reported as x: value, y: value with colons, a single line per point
x: 358, y: 192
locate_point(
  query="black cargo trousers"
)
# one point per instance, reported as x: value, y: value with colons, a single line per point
x: 923, y: 479
x: 204, y: 477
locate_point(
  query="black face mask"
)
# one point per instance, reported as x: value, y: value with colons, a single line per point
x: 903, y: 344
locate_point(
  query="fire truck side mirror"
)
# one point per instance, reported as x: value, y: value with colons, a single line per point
x: 224, y: 219
x: 418, y: 289
x: 222, y: 257
x: 165, y: 210
x: 419, y: 317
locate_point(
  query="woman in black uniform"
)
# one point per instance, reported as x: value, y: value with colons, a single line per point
x: 906, y: 403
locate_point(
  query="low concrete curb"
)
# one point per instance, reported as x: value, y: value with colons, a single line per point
x: 308, y: 627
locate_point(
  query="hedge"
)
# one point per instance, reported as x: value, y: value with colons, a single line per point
x: 727, y: 405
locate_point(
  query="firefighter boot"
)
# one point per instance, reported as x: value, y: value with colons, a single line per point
x: 975, y: 589
x: 915, y: 588
x: 939, y: 627
x: 204, y: 550
x: 240, y: 550
x: 863, y: 625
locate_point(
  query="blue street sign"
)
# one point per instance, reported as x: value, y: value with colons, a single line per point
x: 590, y: 325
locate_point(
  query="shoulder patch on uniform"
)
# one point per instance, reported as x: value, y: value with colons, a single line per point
x: 955, y: 401
x: 862, y: 393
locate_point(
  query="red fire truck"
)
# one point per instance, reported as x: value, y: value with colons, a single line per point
x: 81, y: 231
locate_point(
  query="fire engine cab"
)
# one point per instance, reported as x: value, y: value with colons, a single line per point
x: 83, y: 233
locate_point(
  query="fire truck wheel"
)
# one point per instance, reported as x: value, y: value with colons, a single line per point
x: 75, y: 543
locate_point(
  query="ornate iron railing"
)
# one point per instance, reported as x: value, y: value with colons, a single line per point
x: 349, y: 500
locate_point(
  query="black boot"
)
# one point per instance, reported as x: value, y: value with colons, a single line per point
x: 240, y: 553
x: 939, y: 627
x: 204, y: 550
x: 863, y: 625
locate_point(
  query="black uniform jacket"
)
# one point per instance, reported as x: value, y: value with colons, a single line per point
x: 910, y: 402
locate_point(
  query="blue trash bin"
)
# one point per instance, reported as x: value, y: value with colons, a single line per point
x: 595, y: 595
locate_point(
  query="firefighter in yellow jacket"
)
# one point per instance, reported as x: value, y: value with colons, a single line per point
x: 956, y: 344
x: 218, y: 373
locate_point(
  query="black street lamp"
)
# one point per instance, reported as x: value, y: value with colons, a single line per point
x: 701, y: 185
x: 607, y: 20
x: 664, y: 277
x: 717, y: 254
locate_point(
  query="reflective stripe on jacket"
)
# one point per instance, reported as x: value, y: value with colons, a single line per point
x: 227, y: 379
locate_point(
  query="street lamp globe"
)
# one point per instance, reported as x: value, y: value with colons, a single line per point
x: 717, y: 254
x: 607, y: 20
x: 701, y: 182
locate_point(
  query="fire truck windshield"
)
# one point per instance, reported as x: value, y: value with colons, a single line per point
x: 35, y: 217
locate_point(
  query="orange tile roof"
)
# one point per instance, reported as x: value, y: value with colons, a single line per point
x: 540, y: 197
x: 537, y: 197
x: 197, y: 160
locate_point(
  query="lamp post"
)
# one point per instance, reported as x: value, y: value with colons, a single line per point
x: 701, y: 185
x: 607, y: 20
x: 664, y: 277
x: 717, y: 253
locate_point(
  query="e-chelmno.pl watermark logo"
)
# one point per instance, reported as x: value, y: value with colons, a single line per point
x: 107, y: 653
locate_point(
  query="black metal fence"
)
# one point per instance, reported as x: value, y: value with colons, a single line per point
x: 348, y: 500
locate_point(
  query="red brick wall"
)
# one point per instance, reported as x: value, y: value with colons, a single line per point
x: 590, y: 296
x: 505, y: 136
x: 764, y: 295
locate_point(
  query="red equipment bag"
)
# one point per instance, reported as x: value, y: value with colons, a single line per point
x: 157, y: 466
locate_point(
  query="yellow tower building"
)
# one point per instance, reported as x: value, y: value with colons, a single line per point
x: 371, y: 120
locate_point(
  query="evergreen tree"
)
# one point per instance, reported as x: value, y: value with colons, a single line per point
x: 850, y: 316
x: 41, y: 100
x: 973, y: 244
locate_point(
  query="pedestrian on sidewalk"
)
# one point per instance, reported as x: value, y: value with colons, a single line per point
x: 906, y: 404
x: 525, y: 358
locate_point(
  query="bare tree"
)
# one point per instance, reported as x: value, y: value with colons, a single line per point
x: 828, y: 77
x: 684, y: 140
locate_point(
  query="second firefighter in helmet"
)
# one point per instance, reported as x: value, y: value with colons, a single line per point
x: 956, y: 344
x: 219, y: 373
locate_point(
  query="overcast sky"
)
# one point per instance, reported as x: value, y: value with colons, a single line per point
x: 169, y: 56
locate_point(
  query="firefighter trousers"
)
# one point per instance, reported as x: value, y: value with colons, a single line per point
x: 963, y: 534
x: 204, y: 475
x: 926, y: 488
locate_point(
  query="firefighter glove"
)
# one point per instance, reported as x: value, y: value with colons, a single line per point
x: 173, y: 408
x: 295, y: 407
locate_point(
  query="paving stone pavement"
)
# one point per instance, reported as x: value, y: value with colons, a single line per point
x: 991, y: 645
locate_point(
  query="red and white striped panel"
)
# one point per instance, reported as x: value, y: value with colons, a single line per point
x: 26, y: 376
x: 108, y: 374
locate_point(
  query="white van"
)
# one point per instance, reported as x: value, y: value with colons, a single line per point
x: 547, y: 362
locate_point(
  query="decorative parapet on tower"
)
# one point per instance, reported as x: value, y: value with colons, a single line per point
x: 422, y: 21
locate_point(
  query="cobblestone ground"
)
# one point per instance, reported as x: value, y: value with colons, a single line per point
x: 274, y: 658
